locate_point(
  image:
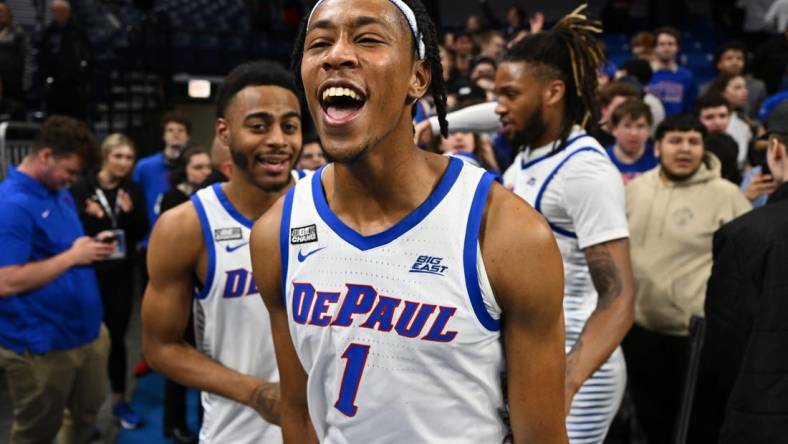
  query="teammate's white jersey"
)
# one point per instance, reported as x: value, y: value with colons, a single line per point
x: 581, y: 194
x: 398, y: 331
x: 231, y: 322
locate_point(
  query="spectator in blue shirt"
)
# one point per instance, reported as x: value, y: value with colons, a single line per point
x: 152, y: 173
x: 631, y: 153
x: 52, y: 344
x: 674, y: 85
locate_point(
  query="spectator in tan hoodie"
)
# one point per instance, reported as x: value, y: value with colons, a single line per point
x: 673, y: 213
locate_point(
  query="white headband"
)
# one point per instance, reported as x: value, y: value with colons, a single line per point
x: 409, y: 16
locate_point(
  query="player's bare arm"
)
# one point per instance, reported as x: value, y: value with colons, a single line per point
x: 611, y: 273
x: 526, y: 274
x: 176, y: 252
x: 266, y: 263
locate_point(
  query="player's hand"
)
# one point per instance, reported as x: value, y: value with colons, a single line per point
x: 519, y: 36
x: 126, y: 205
x: 94, y: 209
x: 423, y: 133
x: 86, y: 250
x: 265, y: 400
x: 761, y: 184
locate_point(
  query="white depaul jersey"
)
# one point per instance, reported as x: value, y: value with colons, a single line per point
x: 399, y: 331
x: 231, y: 322
x: 581, y: 194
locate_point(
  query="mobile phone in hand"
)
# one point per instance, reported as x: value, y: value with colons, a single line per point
x: 107, y: 239
x: 765, y: 167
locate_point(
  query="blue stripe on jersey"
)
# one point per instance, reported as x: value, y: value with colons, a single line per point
x: 525, y: 165
x: 243, y: 220
x: 365, y: 243
x: 469, y: 253
x: 209, y: 245
x: 301, y: 173
x: 547, y: 181
x: 284, y: 238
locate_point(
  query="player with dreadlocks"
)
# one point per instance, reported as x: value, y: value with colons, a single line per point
x: 400, y: 271
x: 547, y: 94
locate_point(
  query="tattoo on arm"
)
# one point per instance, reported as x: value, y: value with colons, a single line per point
x: 267, y: 402
x: 604, y: 274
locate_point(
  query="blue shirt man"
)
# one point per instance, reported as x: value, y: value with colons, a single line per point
x: 52, y: 346
x: 676, y: 88
x: 153, y: 172
x: 629, y: 171
x: 632, y: 154
x: 36, y: 224
x: 673, y: 85
x: 153, y: 175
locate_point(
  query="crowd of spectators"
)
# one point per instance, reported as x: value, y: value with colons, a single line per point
x: 695, y: 157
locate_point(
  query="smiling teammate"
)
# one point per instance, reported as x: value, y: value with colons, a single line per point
x: 203, y: 244
x: 400, y: 269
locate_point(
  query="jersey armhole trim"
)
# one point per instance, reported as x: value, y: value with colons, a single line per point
x: 550, y: 177
x: 209, y: 245
x: 469, y: 254
x: 284, y: 237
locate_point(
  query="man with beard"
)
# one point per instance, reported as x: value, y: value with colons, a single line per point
x: 673, y: 211
x: 202, y: 245
x: 384, y: 317
x: 546, y: 89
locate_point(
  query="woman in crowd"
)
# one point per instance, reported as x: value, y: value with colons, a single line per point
x: 110, y: 200
x: 733, y: 88
x: 194, y: 166
x: 467, y: 146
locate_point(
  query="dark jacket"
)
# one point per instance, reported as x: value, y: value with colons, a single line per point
x: 743, y: 381
x: 172, y: 199
x: 134, y: 224
x: 14, y: 48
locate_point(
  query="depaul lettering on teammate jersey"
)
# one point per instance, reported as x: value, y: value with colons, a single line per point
x: 239, y: 282
x: 303, y: 235
x: 379, y: 312
x: 429, y: 265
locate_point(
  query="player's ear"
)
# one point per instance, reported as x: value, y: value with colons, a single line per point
x: 554, y: 92
x: 45, y: 155
x: 222, y: 130
x: 419, y: 81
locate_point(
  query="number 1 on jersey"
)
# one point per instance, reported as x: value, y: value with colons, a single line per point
x: 356, y: 357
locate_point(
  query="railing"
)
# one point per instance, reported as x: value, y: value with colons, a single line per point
x: 16, y: 142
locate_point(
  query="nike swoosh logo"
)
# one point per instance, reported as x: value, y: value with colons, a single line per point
x: 302, y: 257
x: 231, y: 248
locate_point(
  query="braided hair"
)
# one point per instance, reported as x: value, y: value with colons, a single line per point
x: 431, y: 58
x: 568, y: 52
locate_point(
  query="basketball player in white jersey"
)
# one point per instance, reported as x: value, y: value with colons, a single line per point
x: 398, y: 271
x: 203, y: 245
x: 547, y: 88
